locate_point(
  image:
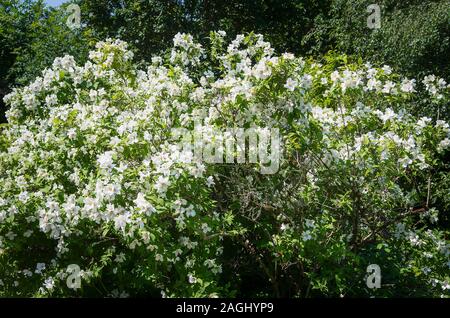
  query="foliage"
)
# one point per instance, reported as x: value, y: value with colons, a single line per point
x: 414, y: 36
x: 149, y: 26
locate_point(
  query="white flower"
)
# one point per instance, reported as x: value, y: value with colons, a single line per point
x: 306, y: 81
x: 51, y: 100
x: 309, y: 223
x: 210, y: 181
x: 373, y: 84
x: 23, y: 196
x: 120, y: 258
x: 210, y: 263
x: 371, y: 72
x: 335, y: 76
x: 387, y: 69
x: 407, y: 86
x: 121, y: 221
x: 27, y: 273
x: 10, y: 235
x: 405, y: 161
x: 49, y: 283
x: 105, y: 160
x: 110, y: 190
x: 90, y: 204
x: 162, y: 184
x: 39, y: 268
x: 205, y: 228
x: 414, y: 239
x: 261, y: 71
x: 190, y: 212
x: 444, y: 144
x: 71, y: 133
x: 178, y: 252
x: 192, y: 279
x: 291, y: 84
x: 388, y: 87
x: 143, y: 205
x: 306, y: 236
x: 387, y: 115
x: 423, y: 122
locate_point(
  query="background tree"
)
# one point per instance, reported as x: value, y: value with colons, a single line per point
x: 32, y: 35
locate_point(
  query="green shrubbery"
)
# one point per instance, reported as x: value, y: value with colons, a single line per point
x: 92, y: 174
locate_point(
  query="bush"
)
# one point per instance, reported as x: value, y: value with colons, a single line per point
x: 96, y: 175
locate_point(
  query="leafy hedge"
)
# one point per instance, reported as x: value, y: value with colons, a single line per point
x: 93, y: 175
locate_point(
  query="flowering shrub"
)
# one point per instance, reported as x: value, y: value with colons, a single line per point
x: 92, y: 174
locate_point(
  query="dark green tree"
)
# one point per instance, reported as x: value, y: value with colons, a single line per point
x: 414, y: 36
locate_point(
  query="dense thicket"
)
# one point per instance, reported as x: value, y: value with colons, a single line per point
x: 98, y: 171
